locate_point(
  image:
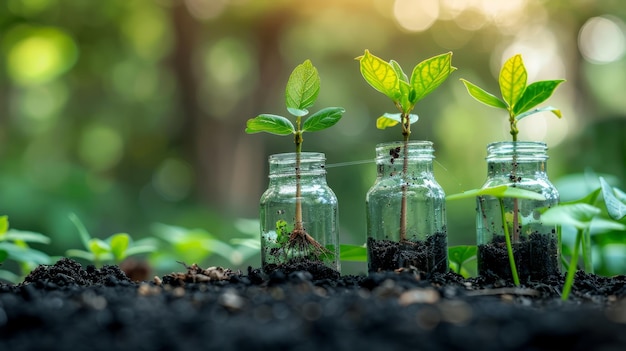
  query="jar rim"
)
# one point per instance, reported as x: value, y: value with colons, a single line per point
x: 290, y: 156
x: 522, y: 150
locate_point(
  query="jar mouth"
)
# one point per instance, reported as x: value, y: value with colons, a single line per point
x: 311, y: 163
x: 290, y: 157
x: 521, y: 150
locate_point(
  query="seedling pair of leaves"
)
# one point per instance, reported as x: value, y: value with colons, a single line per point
x: 581, y: 214
x: 518, y: 98
x: 301, y: 93
x: 14, y: 246
x: 389, y: 79
x: 115, y: 248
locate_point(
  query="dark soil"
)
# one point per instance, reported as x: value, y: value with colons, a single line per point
x: 427, y: 256
x: 536, y: 257
x: 66, y: 307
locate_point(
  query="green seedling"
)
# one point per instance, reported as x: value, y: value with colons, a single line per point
x: 614, y: 199
x: 501, y: 192
x: 461, y: 257
x: 14, y: 246
x: 518, y: 99
x: 301, y: 93
x: 115, y: 248
x: 579, y: 216
x: 389, y: 79
x: 353, y: 253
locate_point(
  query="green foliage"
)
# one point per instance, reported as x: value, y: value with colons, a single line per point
x: 518, y: 99
x: 581, y: 215
x: 463, y: 259
x: 614, y: 206
x: 14, y: 246
x: 501, y: 191
x: 301, y: 93
x: 353, y: 253
x: 113, y: 249
x: 389, y: 79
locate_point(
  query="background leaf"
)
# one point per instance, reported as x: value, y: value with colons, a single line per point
x: 430, y: 73
x: 535, y: 94
x: 322, y: 119
x: 578, y: 215
x: 483, y: 96
x: 119, y: 244
x: 303, y: 86
x: 501, y: 191
x: 272, y: 124
x: 512, y: 79
x: 380, y: 75
x: 615, y: 208
x: 353, y: 253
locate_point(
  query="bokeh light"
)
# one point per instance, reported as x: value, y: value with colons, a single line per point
x: 602, y: 39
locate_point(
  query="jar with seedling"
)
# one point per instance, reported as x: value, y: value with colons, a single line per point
x: 510, y: 228
x: 298, y: 211
x: 406, y: 216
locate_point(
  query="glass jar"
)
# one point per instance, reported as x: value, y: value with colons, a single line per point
x: 299, y: 223
x: 520, y: 164
x: 406, y: 213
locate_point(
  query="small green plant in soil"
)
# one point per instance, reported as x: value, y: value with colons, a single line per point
x: 301, y: 93
x: 113, y: 249
x: 501, y: 192
x: 389, y: 79
x: 463, y: 259
x: 14, y: 246
x: 581, y: 215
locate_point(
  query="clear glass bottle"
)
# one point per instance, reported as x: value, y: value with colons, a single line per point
x: 299, y: 223
x: 520, y: 164
x: 419, y: 237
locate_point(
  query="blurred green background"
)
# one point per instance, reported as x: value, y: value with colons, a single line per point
x: 132, y: 112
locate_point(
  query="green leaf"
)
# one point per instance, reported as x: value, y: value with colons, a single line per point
x: 615, y: 208
x: 501, y: 191
x: 601, y: 225
x: 4, y: 224
x: 24, y: 254
x: 589, y: 199
x: 297, y: 112
x: 578, y: 216
x: 535, y: 94
x: 3, y: 255
x: 353, y: 253
x: 391, y: 119
x: 303, y: 87
x: 323, y: 119
x: 399, y: 72
x: 554, y: 110
x: 272, y: 124
x: 119, y: 244
x: 82, y: 231
x: 26, y: 236
x: 482, y: 96
x: 407, y: 94
x: 513, y: 80
x: 380, y: 75
x: 80, y: 254
x: 459, y: 256
x: 430, y: 73
x: 98, y: 247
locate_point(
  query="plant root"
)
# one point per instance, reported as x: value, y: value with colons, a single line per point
x: 301, y: 241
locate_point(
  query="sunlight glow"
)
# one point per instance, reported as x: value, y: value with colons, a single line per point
x: 416, y: 15
x: 602, y: 39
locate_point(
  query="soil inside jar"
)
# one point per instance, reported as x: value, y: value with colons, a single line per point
x: 429, y: 255
x: 536, y: 257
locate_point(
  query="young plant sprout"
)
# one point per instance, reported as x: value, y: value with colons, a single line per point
x: 301, y: 93
x: 518, y: 99
x: 389, y: 79
x: 501, y: 192
x: 580, y: 215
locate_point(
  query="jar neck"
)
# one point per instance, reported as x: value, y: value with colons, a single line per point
x: 284, y: 167
x: 390, y: 157
x: 519, y: 157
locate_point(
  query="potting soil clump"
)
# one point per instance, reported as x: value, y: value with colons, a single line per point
x: 68, y: 307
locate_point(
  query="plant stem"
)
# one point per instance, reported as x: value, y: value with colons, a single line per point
x: 509, y: 247
x: 569, y: 280
x: 406, y: 132
x: 586, y: 246
x: 298, y: 225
